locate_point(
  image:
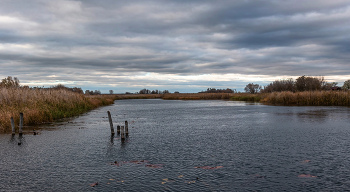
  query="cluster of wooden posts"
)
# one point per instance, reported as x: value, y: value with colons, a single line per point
x: 120, y: 129
x: 20, y: 125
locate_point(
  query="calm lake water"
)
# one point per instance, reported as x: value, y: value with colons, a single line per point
x: 184, y: 146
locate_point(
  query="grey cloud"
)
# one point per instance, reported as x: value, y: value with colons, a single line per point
x: 189, y: 37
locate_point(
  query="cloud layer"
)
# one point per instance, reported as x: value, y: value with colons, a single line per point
x: 184, y: 45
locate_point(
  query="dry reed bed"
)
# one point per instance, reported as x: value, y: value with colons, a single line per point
x: 138, y: 96
x: 196, y: 96
x: 44, y: 105
x: 312, y: 98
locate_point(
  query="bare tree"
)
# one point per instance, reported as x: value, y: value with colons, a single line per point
x: 97, y: 92
x: 280, y: 85
x: 144, y: 91
x: 305, y: 83
x: 252, y: 88
x: 346, y: 85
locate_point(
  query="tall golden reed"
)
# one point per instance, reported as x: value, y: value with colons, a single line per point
x: 44, y: 105
x: 311, y: 98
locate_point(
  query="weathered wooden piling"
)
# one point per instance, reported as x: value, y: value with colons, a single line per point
x: 20, y: 137
x: 122, y: 133
x: 126, y: 128
x: 13, y: 126
x: 118, y: 129
x: 110, y: 122
x: 20, y: 123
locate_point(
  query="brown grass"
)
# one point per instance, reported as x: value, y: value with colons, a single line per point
x: 194, y: 96
x: 39, y: 105
x: 315, y: 98
x: 138, y: 96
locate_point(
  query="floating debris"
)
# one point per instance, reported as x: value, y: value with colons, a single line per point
x: 306, y: 176
x: 306, y: 161
x: 179, y: 176
x: 137, y: 162
x: 155, y: 165
x: 127, y: 162
x: 208, y: 167
x: 93, y: 184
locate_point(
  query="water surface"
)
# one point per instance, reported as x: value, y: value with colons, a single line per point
x: 251, y: 147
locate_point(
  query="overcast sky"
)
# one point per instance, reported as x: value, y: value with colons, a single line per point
x: 179, y: 45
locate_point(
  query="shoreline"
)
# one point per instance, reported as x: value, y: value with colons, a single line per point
x: 286, y: 98
x: 45, y: 106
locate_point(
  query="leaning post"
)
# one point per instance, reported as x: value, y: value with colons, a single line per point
x: 126, y: 128
x: 13, y: 126
x: 110, y: 122
x: 20, y: 123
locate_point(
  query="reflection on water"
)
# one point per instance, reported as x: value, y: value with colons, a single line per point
x: 184, y: 146
x: 320, y: 114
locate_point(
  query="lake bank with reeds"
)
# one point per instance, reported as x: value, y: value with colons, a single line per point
x: 45, y: 105
x: 192, y: 96
x: 306, y: 98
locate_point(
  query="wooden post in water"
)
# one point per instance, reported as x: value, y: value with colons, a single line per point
x: 118, y: 129
x: 110, y: 122
x: 122, y: 133
x: 13, y: 126
x: 126, y: 128
x: 20, y: 123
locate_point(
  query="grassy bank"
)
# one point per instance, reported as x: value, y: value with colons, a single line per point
x: 247, y: 97
x: 309, y: 98
x: 40, y: 105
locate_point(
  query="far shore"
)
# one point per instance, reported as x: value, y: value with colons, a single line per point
x: 305, y: 98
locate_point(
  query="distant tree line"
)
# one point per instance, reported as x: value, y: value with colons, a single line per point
x: 214, y: 90
x: 96, y: 92
x: 147, y: 91
x: 302, y: 83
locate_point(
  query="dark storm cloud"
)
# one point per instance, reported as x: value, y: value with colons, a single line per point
x: 174, y: 37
